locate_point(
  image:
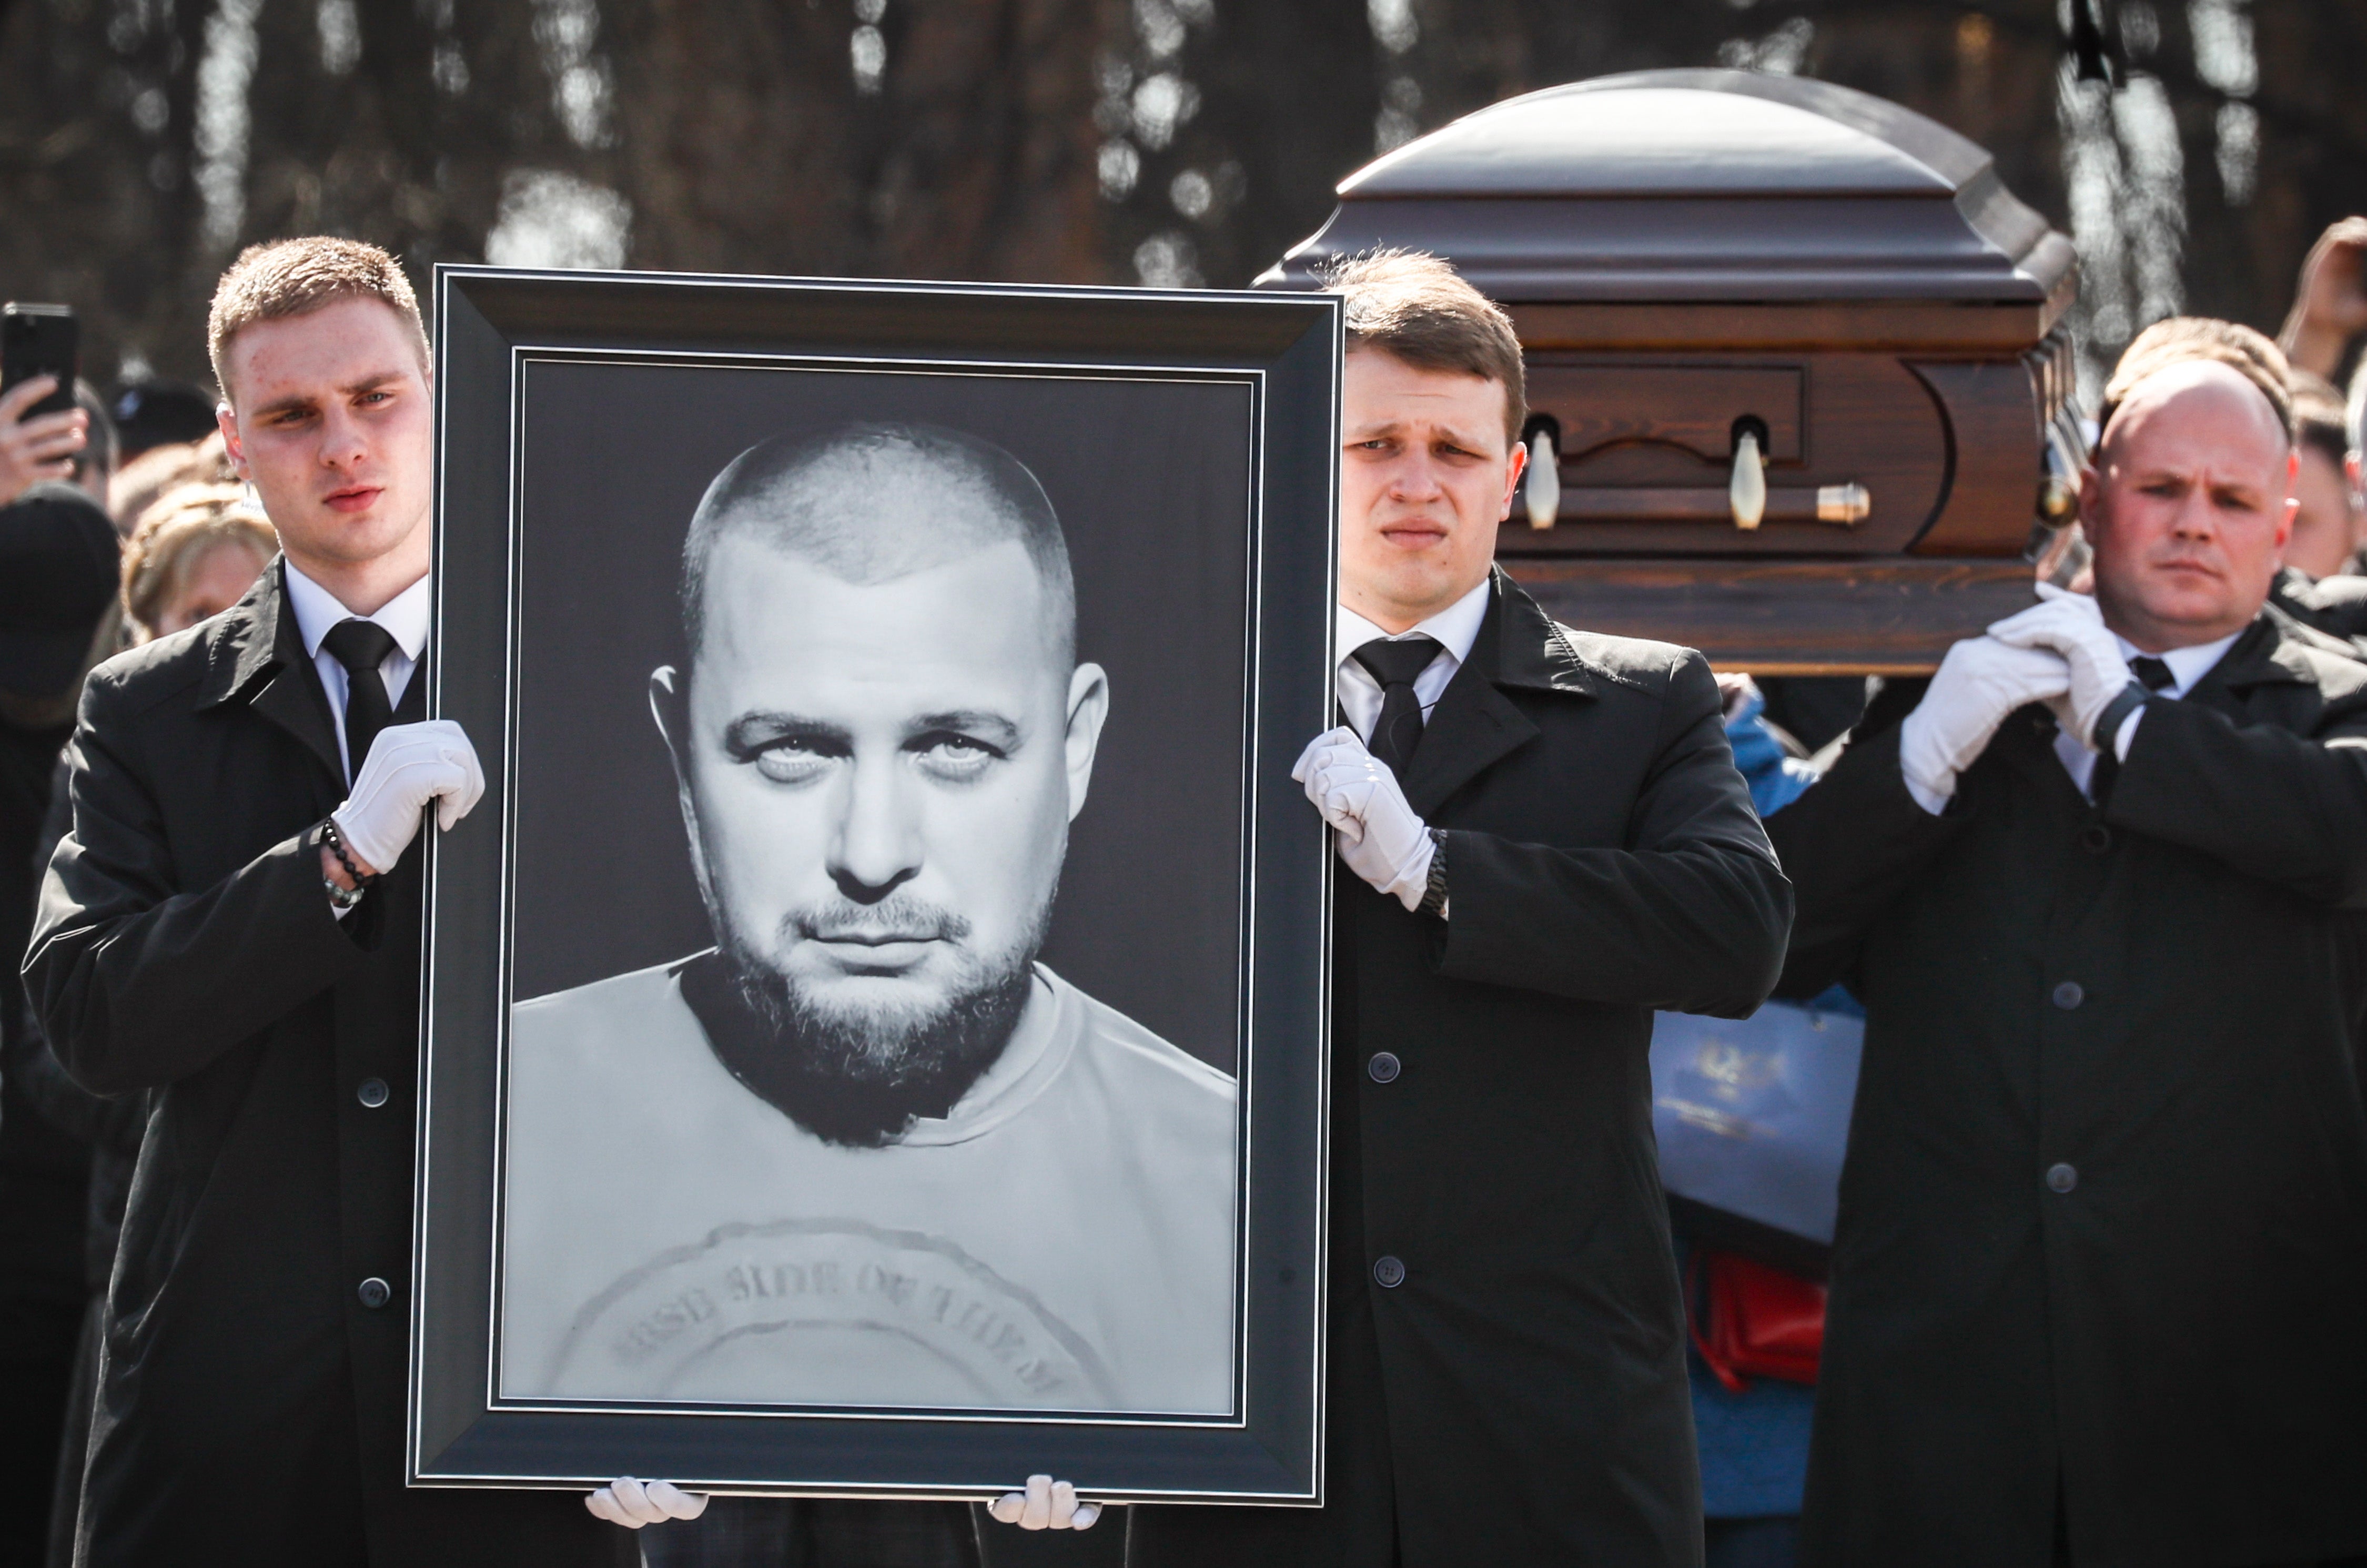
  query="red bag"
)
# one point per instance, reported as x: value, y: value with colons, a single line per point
x: 1751, y: 1321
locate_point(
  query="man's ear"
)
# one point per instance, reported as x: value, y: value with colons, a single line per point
x: 226, y: 421
x: 2292, y: 507
x: 1512, y: 472
x: 1088, y: 707
x: 2091, y: 496
x: 669, y: 706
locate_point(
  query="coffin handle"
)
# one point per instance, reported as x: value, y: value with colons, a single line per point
x: 1747, y: 492
x: 1543, y: 486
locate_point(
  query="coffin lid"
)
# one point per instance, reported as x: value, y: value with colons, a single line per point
x: 1698, y: 185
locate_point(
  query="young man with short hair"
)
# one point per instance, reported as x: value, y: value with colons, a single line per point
x: 1549, y: 840
x: 233, y: 927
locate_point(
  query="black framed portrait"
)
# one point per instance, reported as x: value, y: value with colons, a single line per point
x: 874, y: 1029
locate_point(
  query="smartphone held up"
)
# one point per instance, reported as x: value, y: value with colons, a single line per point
x: 40, y: 340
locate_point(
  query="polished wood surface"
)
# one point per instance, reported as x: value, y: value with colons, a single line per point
x: 1692, y: 406
x: 1864, y: 419
x: 1899, y: 326
x: 1787, y: 616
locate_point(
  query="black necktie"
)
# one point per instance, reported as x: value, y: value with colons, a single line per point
x: 2153, y: 675
x: 362, y: 646
x: 1394, y: 663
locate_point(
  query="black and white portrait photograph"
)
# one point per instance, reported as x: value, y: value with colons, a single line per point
x: 846, y: 1151
x: 876, y: 1028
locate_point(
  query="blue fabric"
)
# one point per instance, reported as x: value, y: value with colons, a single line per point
x: 1754, y: 1444
x: 1776, y: 778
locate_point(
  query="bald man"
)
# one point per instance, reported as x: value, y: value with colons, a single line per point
x: 866, y: 1149
x: 2096, y: 1288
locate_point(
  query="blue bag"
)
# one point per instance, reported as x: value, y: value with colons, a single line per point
x: 1752, y: 1118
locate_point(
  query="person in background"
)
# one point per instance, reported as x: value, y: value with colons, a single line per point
x: 2095, y: 1287
x: 44, y: 448
x: 2329, y: 523
x: 1753, y: 1441
x: 1814, y: 711
x: 2321, y: 585
x: 1771, y: 761
x: 156, y: 413
x: 194, y: 554
x: 2319, y: 338
x: 57, y: 590
x: 94, y: 466
x: 2329, y: 308
x: 158, y: 471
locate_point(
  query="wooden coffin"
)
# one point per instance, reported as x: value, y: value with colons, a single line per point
x: 1793, y: 349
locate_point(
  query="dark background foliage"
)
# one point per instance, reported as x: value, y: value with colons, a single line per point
x: 1162, y: 141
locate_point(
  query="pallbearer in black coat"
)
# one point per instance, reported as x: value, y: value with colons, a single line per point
x: 2096, y: 1292
x: 203, y: 937
x: 1549, y: 840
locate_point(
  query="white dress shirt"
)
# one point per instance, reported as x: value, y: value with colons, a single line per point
x: 1456, y: 627
x: 406, y: 618
x: 2187, y: 665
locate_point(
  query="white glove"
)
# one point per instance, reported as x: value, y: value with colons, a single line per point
x: 408, y: 765
x: 633, y: 1504
x: 2072, y: 625
x: 1980, y: 682
x: 1380, y: 838
x: 1046, y: 1504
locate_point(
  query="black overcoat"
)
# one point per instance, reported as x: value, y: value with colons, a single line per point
x: 2103, y: 1221
x: 1519, y: 1397
x: 2336, y: 605
x: 251, y: 1404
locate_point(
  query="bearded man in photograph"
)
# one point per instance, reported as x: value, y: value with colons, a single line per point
x: 870, y: 1117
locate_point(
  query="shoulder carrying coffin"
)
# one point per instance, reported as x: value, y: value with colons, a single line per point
x: 1792, y: 348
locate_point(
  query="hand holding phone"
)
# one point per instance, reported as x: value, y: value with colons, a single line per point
x: 38, y: 449
x: 40, y: 429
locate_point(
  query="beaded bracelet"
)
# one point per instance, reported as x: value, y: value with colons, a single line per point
x: 337, y: 843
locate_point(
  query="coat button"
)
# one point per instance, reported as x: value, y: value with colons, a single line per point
x: 2062, y: 1178
x: 1384, y: 1068
x: 2069, y: 994
x: 2095, y: 838
x: 1387, y: 1272
x: 372, y: 1093
x: 375, y: 1292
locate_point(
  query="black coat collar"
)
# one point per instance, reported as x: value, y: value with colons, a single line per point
x: 256, y: 655
x: 1475, y: 725
x: 2270, y: 651
x: 1531, y: 651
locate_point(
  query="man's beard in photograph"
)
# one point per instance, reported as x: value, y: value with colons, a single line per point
x: 862, y: 1077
